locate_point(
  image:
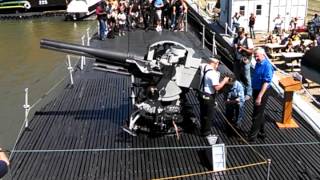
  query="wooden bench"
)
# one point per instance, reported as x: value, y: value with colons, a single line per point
x: 274, y: 55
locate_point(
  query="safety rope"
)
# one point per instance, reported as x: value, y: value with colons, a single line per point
x: 155, y: 148
x: 32, y: 106
x: 18, y: 137
x: 48, y: 92
x: 38, y: 101
x: 241, y: 137
x: 211, y: 172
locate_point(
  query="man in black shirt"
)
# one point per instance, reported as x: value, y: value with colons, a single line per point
x: 148, y: 14
x: 252, y: 21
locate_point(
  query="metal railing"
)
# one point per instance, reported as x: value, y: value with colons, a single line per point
x: 27, y: 107
x: 212, y: 41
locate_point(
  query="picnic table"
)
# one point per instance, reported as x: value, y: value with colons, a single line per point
x: 274, y: 47
x: 291, y: 56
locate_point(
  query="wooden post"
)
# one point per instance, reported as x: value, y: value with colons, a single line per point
x: 289, y: 85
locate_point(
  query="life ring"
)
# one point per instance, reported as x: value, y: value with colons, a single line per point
x: 27, y: 5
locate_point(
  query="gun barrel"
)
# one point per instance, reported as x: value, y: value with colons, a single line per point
x: 105, y: 56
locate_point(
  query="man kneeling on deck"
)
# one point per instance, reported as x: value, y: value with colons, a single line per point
x: 234, y: 101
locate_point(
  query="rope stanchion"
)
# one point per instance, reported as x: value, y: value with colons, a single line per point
x: 210, y: 172
x: 269, y: 169
x: 88, y: 36
x: 186, y: 22
x: 27, y: 108
x: 83, y: 58
x: 214, y: 48
x: 70, y: 68
x: 226, y: 28
x: 203, y: 35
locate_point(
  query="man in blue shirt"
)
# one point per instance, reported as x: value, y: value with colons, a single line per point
x: 261, y: 79
x: 4, y: 163
x: 158, y: 4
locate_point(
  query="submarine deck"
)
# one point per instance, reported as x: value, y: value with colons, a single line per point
x: 78, y: 134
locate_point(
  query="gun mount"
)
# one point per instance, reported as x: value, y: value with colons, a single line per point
x: 166, y: 72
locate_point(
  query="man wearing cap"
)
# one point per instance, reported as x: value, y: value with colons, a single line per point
x: 4, y: 163
x: 261, y: 79
x: 241, y: 67
x: 209, y: 85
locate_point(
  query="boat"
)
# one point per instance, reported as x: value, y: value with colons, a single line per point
x: 25, y: 6
x: 79, y: 134
x: 47, y: 5
x: 81, y: 9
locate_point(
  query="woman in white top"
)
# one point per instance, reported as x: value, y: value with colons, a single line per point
x: 122, y: 21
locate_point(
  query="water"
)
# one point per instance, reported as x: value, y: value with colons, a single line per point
x: 24, y: 65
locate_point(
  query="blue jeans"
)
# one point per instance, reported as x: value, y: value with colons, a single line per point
x: 173, y: 21
x: 102, y: 29
x: 247, y: 76
x: 243, y: 73
x: 236, y: 27
x: 252, y: 33
x: 236, y: 110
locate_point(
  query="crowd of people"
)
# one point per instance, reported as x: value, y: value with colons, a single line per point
x: 236, y: 93
x: 278, y: 34
x: 240, y: 86
x: 116, y: 17
x: 293, y: 42
x: 244, y: 85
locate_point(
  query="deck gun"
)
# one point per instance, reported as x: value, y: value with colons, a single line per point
x: 165, y: 73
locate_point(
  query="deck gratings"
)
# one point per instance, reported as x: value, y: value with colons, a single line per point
x: 89, y: 116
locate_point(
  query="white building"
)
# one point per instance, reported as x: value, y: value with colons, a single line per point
x: 265, y: 11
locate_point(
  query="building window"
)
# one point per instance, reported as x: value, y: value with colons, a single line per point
x: 242, y: 10
x: 43, y: 2
x: 259, y: 10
